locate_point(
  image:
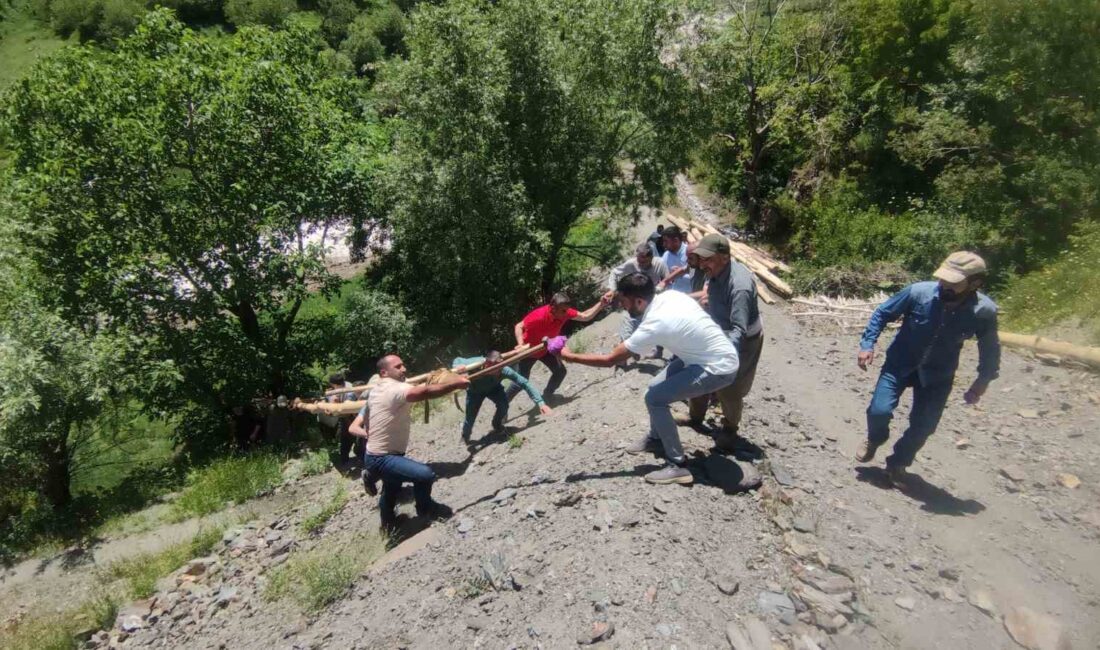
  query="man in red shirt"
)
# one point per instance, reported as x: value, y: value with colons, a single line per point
x: 546, y: 322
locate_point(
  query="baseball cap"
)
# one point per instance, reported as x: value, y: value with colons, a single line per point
x: 960, y: 266
x: 711, y: 244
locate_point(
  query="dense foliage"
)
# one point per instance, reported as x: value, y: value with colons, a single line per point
x: 900, y: 129
x: 510, y: 128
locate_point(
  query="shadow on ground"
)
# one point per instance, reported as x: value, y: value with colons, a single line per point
x: 933, y: 498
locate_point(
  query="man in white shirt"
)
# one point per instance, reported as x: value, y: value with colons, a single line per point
x: 675, y: 258
x: 387, y: 417
x: 705, y: 361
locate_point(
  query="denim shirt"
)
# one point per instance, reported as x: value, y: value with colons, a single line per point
x: 931, y: 337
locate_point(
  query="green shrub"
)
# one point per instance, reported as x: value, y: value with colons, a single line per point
x: 361, y: 45
x: 337, y: 15
x: 80, y: 16
x: 839, y: 227
x: 1067, y: 289
x: 139, y: 574
x: 270, y: 13
x: 119, y: 19
x: 232, y: 479
x: 320, y: 576
x: 317, y: 520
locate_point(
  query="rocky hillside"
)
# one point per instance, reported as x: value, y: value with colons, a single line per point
x: 557, y: 540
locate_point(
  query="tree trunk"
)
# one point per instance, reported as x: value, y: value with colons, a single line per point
x: 58, y: 481
x: 753, y: 201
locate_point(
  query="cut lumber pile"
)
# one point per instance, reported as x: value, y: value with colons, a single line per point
x: 764, y: 266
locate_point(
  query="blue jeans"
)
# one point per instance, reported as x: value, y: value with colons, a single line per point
x: 395, y: 469
x: 675, y: 383
x: 928, y: 404
x: 473, y: 406
x: 552, y: 362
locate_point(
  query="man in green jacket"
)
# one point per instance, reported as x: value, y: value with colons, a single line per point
x: 489, y: 387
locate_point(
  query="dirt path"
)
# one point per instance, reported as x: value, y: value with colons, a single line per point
x: 571, y: 536
x: 68, y: 579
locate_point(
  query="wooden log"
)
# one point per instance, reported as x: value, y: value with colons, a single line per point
x: 1084, y: 354
x: 507, y: 362
x: 329, y: 408
x: 803, y: 301
x: 420, y: 379
x: 763, y: 292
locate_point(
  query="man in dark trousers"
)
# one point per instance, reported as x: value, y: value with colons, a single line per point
x: 490, y: 387
x: 546, y: 322
x: 938, y: 316
x: 347, y: 441
x: 385, y: 422
x: 732, y: 303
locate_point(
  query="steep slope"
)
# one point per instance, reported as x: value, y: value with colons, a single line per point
x: 559, y: 534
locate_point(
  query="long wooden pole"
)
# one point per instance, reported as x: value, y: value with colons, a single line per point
x: 420, y: 379
x: 507, y: 362
x: 1084, y: 354
x: 354, y: 406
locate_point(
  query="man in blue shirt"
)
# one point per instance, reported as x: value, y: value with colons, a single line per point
x: 939, y: 316
x: 489, y: 387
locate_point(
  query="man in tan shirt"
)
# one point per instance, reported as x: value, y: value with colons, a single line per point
x: 385, y: 422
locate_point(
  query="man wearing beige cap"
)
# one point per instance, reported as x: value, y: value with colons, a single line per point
x: 939, y: 316
x: 732, y: 304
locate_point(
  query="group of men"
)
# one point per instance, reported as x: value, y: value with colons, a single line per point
x: 700, y: 305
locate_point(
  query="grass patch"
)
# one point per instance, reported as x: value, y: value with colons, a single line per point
x: 62, y: 630
x: 581, y: 342
x: 139, y: 574
x: 319, y: 577
x: 232, y: 479
x: 336, y: 503
x: 314, y: 462
x: 515, y: 441
x: 121, y: 582
x: 1068, y: 289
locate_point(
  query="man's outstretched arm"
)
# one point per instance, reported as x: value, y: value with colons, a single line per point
x: 617, y: 355
x: 426, y: 391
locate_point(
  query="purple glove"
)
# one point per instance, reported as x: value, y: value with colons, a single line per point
x: 555, y: 345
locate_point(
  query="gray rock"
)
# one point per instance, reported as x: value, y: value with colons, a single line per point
x: 664, y: 629
x: 727, y: 584
x: 225, y: 596
x: 906, y: 603
x: 803, y: 523
x: 730, y: 475
x: 772, y: 602
x: 782, y: 476
x: 1013, y: 473
x: 465, y: 525
x: 949, y: 573
x: 504, y: 495
x: 477, y: 623
x: 281, y: 547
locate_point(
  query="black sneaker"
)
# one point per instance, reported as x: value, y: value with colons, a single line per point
x: 370, y: 484
x: 437, y: 512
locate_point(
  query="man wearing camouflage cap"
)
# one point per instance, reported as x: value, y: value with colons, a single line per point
x: 938, y: 316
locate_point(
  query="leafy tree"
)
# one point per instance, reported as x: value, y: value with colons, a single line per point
x: 56, y: 377
x: 514, y: 118
x: 768, y: 79
x: 176, y: 182
x: 270, y: 13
